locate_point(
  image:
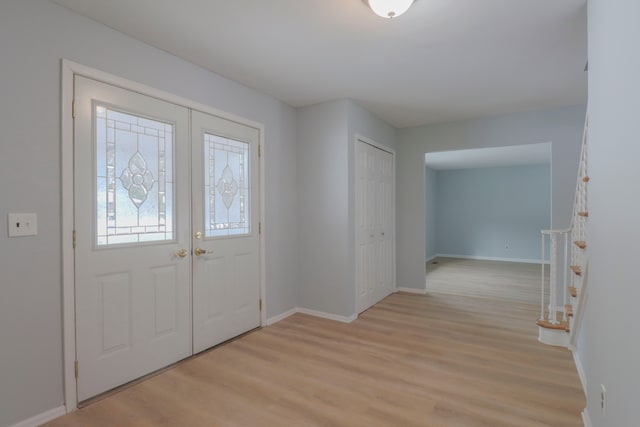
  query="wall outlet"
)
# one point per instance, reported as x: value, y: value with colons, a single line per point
x: 22, y: 224
x: 603, y: 399
x: 506, y: 247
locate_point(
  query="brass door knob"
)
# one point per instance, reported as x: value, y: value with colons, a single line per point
x: 182, y: 253
x: 199, y: 251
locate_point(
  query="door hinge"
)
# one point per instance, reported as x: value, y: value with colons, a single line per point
x: 259, y: 150
x: 259, y: 228
x: 74, y: 239
x: 260, y: 304
x: 76, y: 367
x: 73, y: 109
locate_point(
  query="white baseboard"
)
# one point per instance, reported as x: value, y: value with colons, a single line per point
x: 42, y: 418
x: 431, y: 258
x: 586, y: 419
x: 412, y: 290
x: 487, y: 258
x: 580, y: 369
x: 330, y: 316
x: 316, y: 313
x: 281, y: 316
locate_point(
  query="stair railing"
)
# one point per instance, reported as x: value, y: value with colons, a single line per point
x: 573, y: 240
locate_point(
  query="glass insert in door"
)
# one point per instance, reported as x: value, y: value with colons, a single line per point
x: 134, y: 178
x: 226, y: 186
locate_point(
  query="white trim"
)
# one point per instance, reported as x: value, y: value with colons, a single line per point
x: 431, y: 258
x: 488, y: 258
x: 412, y: 290
x: 263, y: 226
x: 375, y: 144
x: 42, y: 418
x: 555, y: 337
x: 315, y: 313
x: 68, y: 268
x: 586, y: 419
x: 281, y: 316
x: 68, y: 70
x: 330, y: 316
x: 581, y: 372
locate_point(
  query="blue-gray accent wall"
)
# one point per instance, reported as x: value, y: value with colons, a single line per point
x: 481, y: 211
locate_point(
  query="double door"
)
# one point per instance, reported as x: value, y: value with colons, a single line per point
x: 375, y: 204
x: 166, y: 206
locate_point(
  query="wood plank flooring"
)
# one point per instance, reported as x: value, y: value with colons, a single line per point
x: 412, y: 360
x: 511, y: 281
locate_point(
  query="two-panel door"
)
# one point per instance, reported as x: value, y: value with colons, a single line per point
x: 141, y: 188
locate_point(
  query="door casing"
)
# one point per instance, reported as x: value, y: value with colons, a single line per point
x: 68, y: 70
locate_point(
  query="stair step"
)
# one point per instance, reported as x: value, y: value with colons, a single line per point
x: 562, y: 326
x: 573, y: 292
x: 585, y: 179
x: 584, y: 214
x: 581, y: 244
x: 568, y: 308
x: 576, y: 269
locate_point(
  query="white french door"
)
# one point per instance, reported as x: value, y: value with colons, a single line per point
x: 147, y: 205
x: 226, y: 298
x: 375, y: 205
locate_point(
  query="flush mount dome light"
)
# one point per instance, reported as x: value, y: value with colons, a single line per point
x: 389, y: 8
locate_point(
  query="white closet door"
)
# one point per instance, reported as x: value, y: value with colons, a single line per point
x: 131, y: 155
x: 226, y: 241
x: 375, y: 206
x: 384, y: 226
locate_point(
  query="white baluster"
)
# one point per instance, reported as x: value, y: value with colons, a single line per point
x: 553, y: 278
x: 542, y: 281
x: 565, y: 267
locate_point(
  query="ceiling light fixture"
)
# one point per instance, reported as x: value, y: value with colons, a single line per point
x: 389, y: 8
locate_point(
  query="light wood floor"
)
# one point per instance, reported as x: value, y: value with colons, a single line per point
x: 511, y: 281
x: 412, y: 360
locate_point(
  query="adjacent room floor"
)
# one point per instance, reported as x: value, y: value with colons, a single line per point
x: 511, y: 281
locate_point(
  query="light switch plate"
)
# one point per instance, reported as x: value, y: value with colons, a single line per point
x: 22, y: 224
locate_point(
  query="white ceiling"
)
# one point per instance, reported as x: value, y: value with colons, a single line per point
x: 443, y: 60
x: 517, y: 155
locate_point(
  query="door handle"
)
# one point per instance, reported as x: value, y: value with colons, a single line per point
x: 182, y: 253
x: 199, y: 251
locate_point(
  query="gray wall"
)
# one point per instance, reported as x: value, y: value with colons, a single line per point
x: 562, y: 127
x: 326, y: 232
x: 323, y: 217
x: 610, y: 348
x: 34, y: 36
x: 479, y: 211
x: 430, y: 212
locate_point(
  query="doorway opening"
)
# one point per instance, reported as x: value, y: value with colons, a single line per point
x: 484, y: 210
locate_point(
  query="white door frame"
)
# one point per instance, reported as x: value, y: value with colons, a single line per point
x: 360, y: 138
x: 68, y: 70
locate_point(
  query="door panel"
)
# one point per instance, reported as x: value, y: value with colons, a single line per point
x: 131, y: 179
x: 375, y: 204
x: 226, y: 265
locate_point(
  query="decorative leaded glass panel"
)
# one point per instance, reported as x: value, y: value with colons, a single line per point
x: 134, y: 178
x: 226, y: 186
